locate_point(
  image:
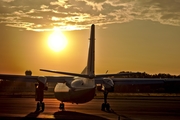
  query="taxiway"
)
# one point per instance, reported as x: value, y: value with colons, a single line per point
x: 123, y: 108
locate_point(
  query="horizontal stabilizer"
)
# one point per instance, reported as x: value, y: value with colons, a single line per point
x: 65, y: 73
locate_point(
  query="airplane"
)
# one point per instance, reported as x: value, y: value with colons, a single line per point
x: 78, y: 88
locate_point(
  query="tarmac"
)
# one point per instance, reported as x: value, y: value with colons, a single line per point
x: 122, y: 108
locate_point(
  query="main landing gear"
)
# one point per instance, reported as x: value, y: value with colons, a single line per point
x: 39, y: 95
x: 105, y: 105
x: 61, y: 106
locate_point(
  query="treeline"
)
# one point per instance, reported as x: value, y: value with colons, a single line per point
x: 146, y: 75
x: 167, y: 87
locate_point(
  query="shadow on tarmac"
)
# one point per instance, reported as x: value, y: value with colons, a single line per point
x: 32, y: 115
x: 69, y: 115
x: 60, y: 115
x: 118, y: 115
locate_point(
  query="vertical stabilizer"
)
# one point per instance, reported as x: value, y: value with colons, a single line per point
x: 91, y: 54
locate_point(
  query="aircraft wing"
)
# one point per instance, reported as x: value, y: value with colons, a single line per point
x: 26, y: 78
x: 136, y: 81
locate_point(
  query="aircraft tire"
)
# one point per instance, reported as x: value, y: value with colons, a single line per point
x: 37, y: 106
x: 42, y: 107
x: 103, y: 107
x: 61, y: 106
x: 107, y: 106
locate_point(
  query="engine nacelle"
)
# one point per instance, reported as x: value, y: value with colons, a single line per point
x: 39, y: 92
x: 40, y: 87
x: 108, y: 85
x: 108, y: 82
x: 43, y: 80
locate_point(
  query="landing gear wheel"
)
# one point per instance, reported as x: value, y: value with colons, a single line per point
x: 105, y: 106
x: 40, y: 106
x: 61, y: 106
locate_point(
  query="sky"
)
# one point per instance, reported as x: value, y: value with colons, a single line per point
x: 131, y: 35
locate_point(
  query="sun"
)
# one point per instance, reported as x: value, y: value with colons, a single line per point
x: 57, y: 41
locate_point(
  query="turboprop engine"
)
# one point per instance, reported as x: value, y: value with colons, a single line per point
x: 40, y: 87
x: 107, y: 84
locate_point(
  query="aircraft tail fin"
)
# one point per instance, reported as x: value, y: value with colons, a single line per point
x: 91, y: 54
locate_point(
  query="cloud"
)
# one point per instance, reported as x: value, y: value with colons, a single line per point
x: 163, y: 11
x: 79, y: 14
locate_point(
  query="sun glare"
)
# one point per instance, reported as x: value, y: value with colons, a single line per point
x: 57, y: 41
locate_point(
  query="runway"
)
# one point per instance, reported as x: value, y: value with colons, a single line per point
x: 123, y: 108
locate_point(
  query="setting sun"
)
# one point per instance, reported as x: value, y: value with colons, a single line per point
x: 57, y: 41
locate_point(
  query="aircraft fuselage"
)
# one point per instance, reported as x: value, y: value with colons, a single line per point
x: 79, y: 90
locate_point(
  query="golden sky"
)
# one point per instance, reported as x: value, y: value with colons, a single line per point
x: 130, y: 35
